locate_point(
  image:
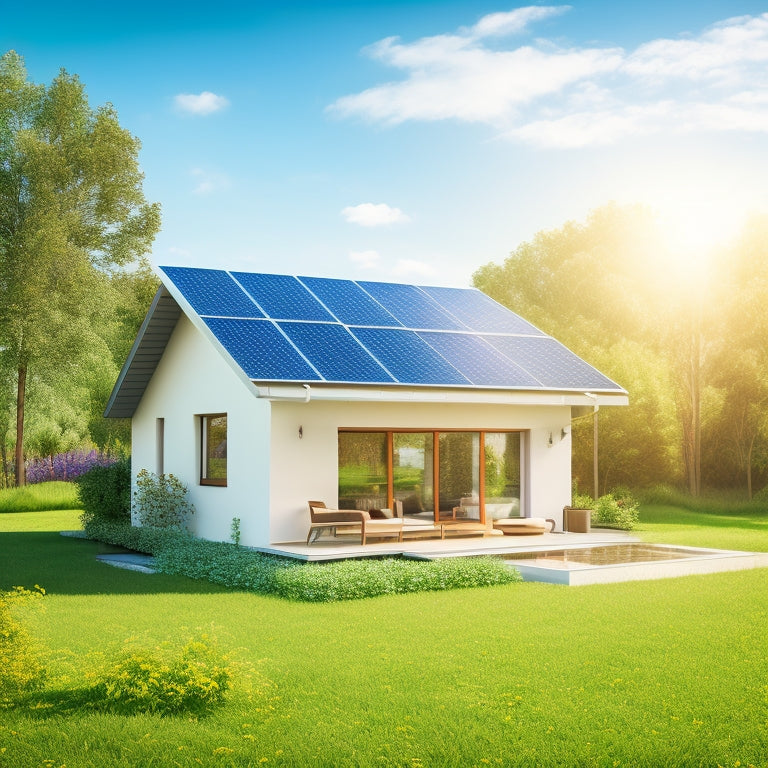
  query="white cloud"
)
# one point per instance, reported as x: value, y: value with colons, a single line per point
x: 373, y: 214
x: 544, y: 94
x: 365, y: 259
x: 514, y: 22
x: 204, y: 103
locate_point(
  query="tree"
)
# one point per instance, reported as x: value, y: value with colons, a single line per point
x: 739, y: 364
x: 595, y: 286
x: 72, y: 210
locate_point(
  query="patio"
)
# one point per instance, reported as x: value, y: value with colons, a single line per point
x: 348, y: 546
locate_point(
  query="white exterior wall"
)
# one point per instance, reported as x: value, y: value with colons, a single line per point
x: 307, y: 468
x: 272, y: 473
x: 193, y: 379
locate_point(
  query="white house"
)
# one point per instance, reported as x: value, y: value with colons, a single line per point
x: 261, y: 392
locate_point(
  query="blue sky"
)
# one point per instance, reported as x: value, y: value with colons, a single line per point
x: 416, y: 141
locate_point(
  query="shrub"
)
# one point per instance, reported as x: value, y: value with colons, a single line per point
x: 582, y: 501
x: 355, y: 579
x: 161, y: 501
x: 66, y: 466
x: 105, y: 492
x: 151, y: 541
x: 179, y: 553
x: 616, y: 510
x: 222, y: 563
x: 21, y: 669
x: 165, y: 680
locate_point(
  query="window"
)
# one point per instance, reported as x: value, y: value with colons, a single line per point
x: 437, y: 475
x: 159, y: 446
x: 213, y: 467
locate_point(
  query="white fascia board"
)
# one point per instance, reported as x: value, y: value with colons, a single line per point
x: 316, y: 391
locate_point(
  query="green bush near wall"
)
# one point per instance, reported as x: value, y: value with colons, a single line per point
x: 179, y: 553
x: 105, y: 492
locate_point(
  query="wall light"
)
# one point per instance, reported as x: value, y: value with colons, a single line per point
x: 301, y: 431
x: 563, y: 433
x: 550, y: 442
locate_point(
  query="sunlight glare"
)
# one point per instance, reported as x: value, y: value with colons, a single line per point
x: 694, y: 229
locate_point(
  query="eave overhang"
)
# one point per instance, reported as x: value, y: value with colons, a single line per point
x: 144, y: 356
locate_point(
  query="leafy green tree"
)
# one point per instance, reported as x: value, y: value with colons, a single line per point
x: 739, y: 359
x: 595, y: 286
x: 72, y: 209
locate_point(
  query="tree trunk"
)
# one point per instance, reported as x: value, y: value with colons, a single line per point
x: 749, y: 468
x: 690, y: 411
x: 21, y: 390
x: 696, y: 407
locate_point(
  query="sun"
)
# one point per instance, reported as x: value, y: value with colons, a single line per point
x: 694, y: 228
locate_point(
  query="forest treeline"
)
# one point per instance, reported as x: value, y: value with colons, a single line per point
x: 686, y: 337
x: 75, y: 231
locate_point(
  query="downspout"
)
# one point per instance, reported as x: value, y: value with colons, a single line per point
x: 596, y: 407
x: 307, y: 393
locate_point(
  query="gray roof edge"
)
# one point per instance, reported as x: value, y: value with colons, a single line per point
x: 113, y: 404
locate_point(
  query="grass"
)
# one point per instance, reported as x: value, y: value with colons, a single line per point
x: 742, y: 529
x: 39, y: 497
x: 661, y: 673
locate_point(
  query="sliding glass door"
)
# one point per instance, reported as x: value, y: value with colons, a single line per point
x: 363, y: 470
x: 459, y: 478
x: 413, y: 473
x: 474, y: 475
x: 502, y: 474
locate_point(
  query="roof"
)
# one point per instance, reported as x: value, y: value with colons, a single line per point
x: 312, y: 330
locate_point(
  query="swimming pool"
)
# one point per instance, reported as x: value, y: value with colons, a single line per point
x: 634, y: 561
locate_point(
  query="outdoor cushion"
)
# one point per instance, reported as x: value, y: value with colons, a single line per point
x: 512, y: 526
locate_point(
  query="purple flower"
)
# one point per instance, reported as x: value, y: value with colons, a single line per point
x: 66, y: 466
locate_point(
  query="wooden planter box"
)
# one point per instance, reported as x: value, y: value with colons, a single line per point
x: 577, y: 520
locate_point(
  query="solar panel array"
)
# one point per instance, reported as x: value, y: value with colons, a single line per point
x: 310, y: 329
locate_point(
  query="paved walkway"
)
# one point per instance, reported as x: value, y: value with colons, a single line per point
x: 132, y: 561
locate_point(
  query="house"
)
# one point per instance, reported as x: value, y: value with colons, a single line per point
x: 262, y: 391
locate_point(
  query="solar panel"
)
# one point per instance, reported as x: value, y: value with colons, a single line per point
x: 349, y: 302
x: 555, y: 366
x: 412, y: 307
x: 212, y: 292
x: 478, y: 361
x: 376, y: 333
x: 282, y: 297
x: 480, y: 312
x: 334, y: 352
x: 259, y: 348
x: 407, y: 357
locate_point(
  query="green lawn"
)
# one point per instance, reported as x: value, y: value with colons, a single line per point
x: 660, y: 673
x: 39, y: 497
x: 724, y: 530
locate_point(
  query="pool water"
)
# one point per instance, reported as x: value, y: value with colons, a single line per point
x: 611, y: 554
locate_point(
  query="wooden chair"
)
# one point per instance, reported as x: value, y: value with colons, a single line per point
x: 469, y: 508
x: 350, y: 520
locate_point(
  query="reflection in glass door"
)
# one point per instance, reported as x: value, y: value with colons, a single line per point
x: 502, y: 475
x: 459, y: 486
x: 362, y: 470
x: 413, y: 473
